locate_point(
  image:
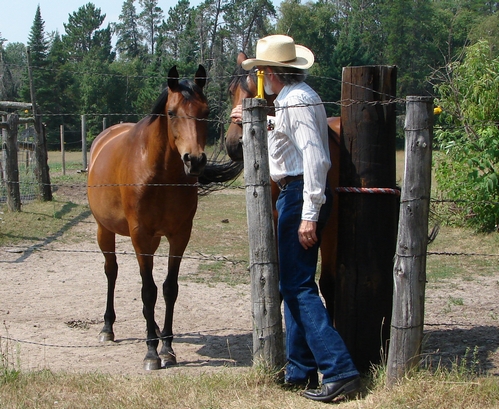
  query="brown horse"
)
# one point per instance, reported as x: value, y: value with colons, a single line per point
x: 142, y: 183
x: 243, y: 85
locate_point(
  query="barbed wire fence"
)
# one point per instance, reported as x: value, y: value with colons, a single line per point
x: 28, y: 187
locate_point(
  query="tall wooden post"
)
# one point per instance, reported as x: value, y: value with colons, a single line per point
x: 11, y: 165
x: 84, y: 141
x: 409, y: 272
x: 63, y: 149
x: 265, y: 298
x: 41, y: 155
x: 367, y: 221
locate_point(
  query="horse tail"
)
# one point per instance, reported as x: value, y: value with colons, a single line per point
x: 219, y: 172
x: 216, y: 172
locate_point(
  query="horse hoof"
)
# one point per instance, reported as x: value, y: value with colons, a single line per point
x: 168, y: 360
x: 152, y: 364
x: 106, y: 336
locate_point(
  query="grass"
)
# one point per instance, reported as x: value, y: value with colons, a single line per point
x: 255, y: 388
x: 220, y: 233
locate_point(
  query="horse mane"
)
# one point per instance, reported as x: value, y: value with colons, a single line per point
x: 189, y: 90
x: 239, y: 78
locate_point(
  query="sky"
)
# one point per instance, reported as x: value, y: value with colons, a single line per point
x: 16, y: 17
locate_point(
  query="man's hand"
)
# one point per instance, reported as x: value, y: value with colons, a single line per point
x: 307, y: 234
x: 237, y: 114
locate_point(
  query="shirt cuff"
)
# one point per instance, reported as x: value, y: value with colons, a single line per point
x: 310, y: 212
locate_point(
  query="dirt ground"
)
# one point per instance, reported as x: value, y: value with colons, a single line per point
x: 52, y: 299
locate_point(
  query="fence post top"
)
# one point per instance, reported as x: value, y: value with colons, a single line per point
x: 416, y: 98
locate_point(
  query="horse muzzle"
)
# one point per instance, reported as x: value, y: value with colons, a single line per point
x: 194, y: 164
x: 234, y: 143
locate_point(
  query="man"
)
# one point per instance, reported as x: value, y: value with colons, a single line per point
x: 299, y: 162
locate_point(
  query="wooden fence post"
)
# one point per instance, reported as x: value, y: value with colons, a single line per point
x: 84, y: 141
x: 3, y: 126
x: 41, y: 155
x: 409, y: 271
x: 63, y: 152
x: 11, y: 165
x: 367, y: 227
x: 265, y: 297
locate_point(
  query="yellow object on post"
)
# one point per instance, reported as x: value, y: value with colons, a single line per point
x: 259, y: 82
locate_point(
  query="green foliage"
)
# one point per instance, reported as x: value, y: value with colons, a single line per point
x: 78, y: 73
x: 12, y: 65
x: 469, y: 136
x: 129, y: 43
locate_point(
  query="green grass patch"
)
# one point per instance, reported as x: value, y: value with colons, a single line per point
x: 457, y: 387
x: 40, y: 222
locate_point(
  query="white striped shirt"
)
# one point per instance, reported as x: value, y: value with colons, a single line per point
x: 299, y: 144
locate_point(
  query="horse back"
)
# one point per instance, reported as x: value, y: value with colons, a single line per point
x: 105, y: 137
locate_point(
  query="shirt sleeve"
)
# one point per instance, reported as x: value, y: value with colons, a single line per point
x: 316, y: 162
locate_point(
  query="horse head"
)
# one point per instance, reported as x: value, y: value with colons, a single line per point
x: 242, y: 85
x: 187, y: 112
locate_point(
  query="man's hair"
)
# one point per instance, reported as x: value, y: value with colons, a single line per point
x: 290, y: 75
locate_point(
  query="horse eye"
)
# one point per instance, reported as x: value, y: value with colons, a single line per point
x: 171, y: 114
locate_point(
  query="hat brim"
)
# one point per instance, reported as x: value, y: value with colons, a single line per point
x: 304, y: 60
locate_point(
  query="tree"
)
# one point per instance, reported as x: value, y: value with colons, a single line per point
x: 468, y: 168
x: 207, y: 21
x: 150, y: 19
x: 179, y: 41
x: 83, y: 35
x: 488, y: 29
x: 316, y: 26
x: 38, y: 45
x: 246, y: 21
x: 130, y: 40
x: 64, y: 98
x: 12, y: 70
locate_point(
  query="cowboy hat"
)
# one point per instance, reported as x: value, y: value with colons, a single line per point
x: 280, y: 51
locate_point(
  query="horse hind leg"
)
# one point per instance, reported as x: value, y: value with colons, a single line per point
x: 106, y: 240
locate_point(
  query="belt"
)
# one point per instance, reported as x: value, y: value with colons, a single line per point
x: 282, y: 183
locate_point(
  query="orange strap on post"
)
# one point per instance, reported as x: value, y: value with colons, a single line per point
x: 259, y: 82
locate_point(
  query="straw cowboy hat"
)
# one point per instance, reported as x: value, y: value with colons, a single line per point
x: 280, y: 51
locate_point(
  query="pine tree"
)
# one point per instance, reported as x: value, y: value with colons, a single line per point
x: 38, y: 46
x: 150, y: 20
x: 84, y: 35
x: 130, y: 40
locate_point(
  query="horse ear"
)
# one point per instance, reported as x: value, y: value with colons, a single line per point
x: 241, y: 57
x: 173, y: 78
x: 200, y: 77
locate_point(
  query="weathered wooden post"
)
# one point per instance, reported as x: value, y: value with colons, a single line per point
x: 3, y: 126
x: 409, y: 271
x: 11, y: 165
x: 63, y: 151
x: 367, y: 217
x: 265, y: 298
x: 41, y: 155
x: 84, y: 141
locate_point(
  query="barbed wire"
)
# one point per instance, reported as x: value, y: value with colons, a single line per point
x: 119, y: 342
x: 385, y: 99
x: 460, y: 253
x: 231, y: 185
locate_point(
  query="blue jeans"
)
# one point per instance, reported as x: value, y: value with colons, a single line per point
x: 312, y: 343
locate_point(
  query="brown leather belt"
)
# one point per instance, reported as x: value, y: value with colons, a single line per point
x: 288, y: 179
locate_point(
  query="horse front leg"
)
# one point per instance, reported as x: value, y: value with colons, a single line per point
x: 149, y: 292
x: 106, y: 241
x: 170, y: 294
